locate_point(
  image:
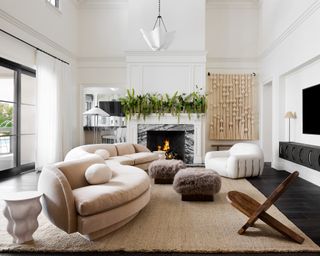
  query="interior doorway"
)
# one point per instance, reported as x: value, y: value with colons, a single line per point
x: 267, y: 122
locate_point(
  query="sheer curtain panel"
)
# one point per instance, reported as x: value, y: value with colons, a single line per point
x: 53, y: 80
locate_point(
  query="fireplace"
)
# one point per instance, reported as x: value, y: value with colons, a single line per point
x: 184, y: 133
x: 172, y: 142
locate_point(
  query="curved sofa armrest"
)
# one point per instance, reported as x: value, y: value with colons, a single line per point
x: 213, y: 154
x: 58, y: 201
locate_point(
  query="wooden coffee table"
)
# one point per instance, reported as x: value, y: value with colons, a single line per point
x: 22, y: 210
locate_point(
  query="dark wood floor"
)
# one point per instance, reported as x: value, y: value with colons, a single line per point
x: 300, y: 203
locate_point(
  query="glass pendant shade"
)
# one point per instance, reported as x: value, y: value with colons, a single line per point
x: 158, y: 38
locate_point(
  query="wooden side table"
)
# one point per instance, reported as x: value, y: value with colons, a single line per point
x: 22, y: 210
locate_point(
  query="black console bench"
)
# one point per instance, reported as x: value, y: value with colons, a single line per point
x: 303, y: 154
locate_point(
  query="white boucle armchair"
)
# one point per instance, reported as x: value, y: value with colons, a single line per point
x: 242, y: 160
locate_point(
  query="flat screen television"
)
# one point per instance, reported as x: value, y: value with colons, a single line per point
x: 113, y: 108
x: 310, y: 108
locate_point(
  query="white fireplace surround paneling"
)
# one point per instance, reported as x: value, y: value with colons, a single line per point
x: 166, y: 72
x: 197, y: 122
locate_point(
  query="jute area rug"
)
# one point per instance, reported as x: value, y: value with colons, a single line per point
x: 169, y: 225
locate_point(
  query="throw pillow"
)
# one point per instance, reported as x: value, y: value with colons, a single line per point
x: 103, y: 153
x: 98, y: 174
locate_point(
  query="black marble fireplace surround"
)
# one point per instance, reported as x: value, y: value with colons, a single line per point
x: 176, y: 133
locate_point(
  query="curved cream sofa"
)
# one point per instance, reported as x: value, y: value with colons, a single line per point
x: 73, y: 205
x: 123, y: 153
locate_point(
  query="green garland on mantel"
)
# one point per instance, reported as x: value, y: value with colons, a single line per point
x: 160, y: 104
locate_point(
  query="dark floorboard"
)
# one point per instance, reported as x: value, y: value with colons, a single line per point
x: 300, y: 203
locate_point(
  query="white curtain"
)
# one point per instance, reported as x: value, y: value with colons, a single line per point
x: 53, y: 83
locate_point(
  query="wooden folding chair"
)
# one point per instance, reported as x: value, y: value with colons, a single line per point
x: 254, y: 210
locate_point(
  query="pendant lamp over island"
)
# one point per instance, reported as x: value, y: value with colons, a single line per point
x: 96, y: 112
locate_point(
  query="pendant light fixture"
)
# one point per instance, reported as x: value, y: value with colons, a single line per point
x: 159, y: 38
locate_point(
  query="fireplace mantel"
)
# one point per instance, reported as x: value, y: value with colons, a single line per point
x: 167, y: 119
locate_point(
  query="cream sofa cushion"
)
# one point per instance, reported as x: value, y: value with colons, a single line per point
x: 125, y: 149
x: 143, y: 157
x: 121, y: 160
x: 126, y: 184
x: 74, y: 170
x: 98, y: 174
x: 91, y: 148
x: 140, y: 148
x: 103, y: 153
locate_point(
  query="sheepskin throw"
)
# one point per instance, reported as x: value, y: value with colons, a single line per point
x: 165, y: 169
x: 197, y: 181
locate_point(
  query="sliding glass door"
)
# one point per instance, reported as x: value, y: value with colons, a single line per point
x: 8, y: 105
x: 17, y: 118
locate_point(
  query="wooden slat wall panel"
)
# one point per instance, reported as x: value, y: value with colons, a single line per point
x: 232, y: 107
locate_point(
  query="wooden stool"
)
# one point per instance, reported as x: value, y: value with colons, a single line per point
x: 255, y: 210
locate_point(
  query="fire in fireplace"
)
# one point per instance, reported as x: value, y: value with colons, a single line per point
x: 172, y: 142
x: 169, y: 153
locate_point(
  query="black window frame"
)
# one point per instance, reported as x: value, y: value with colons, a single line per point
x: 19, y: 70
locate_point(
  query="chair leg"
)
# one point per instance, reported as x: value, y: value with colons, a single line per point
x: 277, y: 225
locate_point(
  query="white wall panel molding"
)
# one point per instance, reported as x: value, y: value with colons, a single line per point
x: 232, y: 4
x: 313, y: 8
x: 35, y: 34
x: 166, y: 72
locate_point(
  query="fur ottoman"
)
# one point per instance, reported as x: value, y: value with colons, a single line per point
x: 197, y: 184
x: 163, y: 171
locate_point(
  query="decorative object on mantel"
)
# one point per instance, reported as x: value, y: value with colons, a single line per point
x: 232, y: 107
x: 147, y: 104
x: 96, y: 112
x: 290, y: 115
x: 159, y: 38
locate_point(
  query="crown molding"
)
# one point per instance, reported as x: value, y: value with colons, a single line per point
x: 137, y: 56
x: 35, y: 34
x: 291, y: 29
x: 232, y: 4
x: 165, y: 53
x: 102, y: 4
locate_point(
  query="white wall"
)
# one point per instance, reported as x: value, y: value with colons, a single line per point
x: 182, y: 66
x: 290, y: 49
x: 266, y: 119
x: 232, y: 30
x: 38, y: 23
x: 277, y: 16
x: 186, y: 17
x: 231, y: 41
x: 102, y: 43
x: 294, y: 84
